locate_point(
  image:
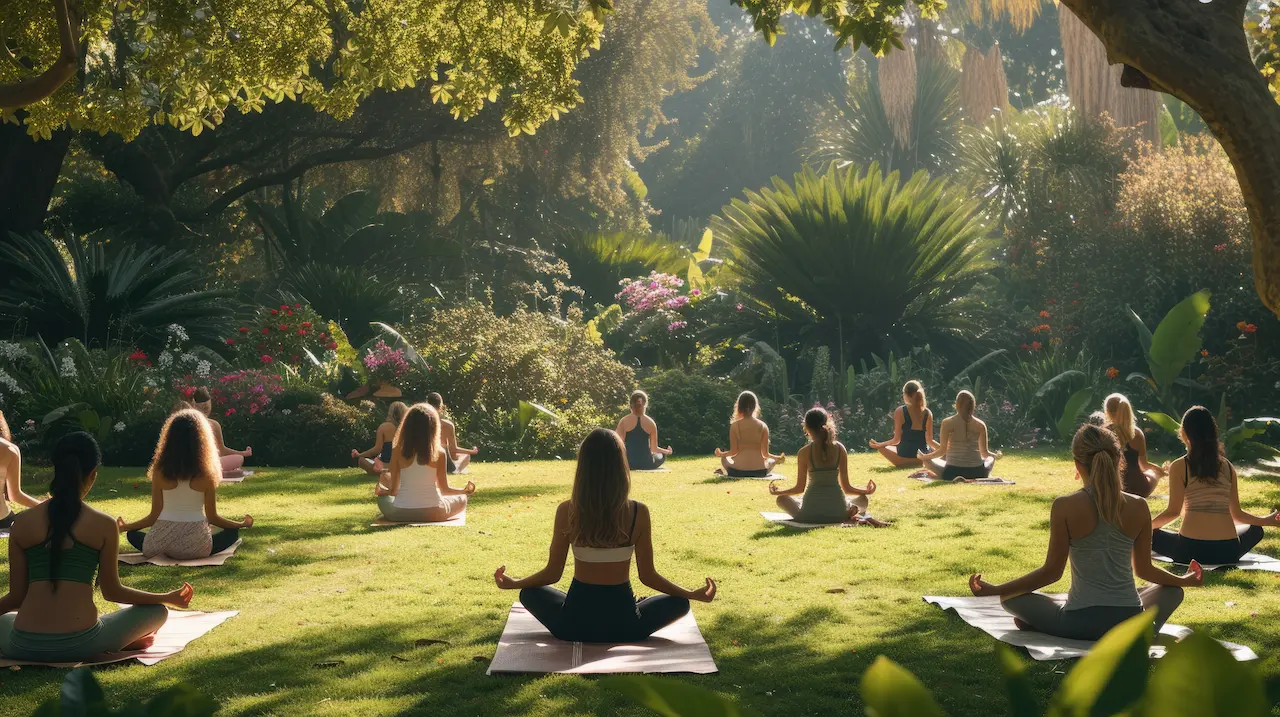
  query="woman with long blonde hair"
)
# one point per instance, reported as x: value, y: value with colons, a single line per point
x: 912, y: 429
x: 11, y: 476
x: 382, y: 440
x: 184, y: 475
x: 1204, y: 490
x: 605, y: 529
x: 962, y: 445
x: 822, y: 478
x: 415, y: 488
x: 1105, y: 533
x: 1140, y: 477
x: 748, y: 455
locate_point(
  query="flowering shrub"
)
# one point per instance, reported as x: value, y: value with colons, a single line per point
x: 385, y: 364
x: 281, y: 333
x: 658, y: 320
x: 245, y: 392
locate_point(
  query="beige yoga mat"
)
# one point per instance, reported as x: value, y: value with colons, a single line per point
x: 652, y: 470
x: 236, y: 479
x: 212, y: 560
x: 176, y: 633
x: 993, y: 480
x: 787, y: 520
x: 986, y: 614
x: 526, y: 646
x: 1248, y: 561
x: 454, y: 522
x: 4, y: 533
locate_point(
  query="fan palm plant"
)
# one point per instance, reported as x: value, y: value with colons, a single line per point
x: 858, y: 260
x: 352, y: 297
x: 86, y: 294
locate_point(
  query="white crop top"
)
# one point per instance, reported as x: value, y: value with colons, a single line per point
x: 183, y: 504
x: 587, y: 554
x: 418, y: 487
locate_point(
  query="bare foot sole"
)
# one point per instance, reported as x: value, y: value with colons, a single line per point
x: 1022, y: 625
x: 142, y: 643
x: 719, y: 471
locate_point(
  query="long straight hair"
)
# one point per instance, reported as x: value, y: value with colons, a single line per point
x: 1204, y: 452
x: 418, y: 439
x: 1097, y: 449
x: 1120, y: 417
x: 747, y: 406
x: 822, y: 429
x: 186, y: 450
x: 965, y: 404
x: 598, y: 515
x: 75, y: 457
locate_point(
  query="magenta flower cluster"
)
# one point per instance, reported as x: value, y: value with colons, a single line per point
x: 657, y: 292
x: 385, y: 363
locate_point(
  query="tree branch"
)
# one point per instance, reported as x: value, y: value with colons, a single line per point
x: 27, y: 92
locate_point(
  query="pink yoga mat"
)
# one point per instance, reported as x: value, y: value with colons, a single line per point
x: 178, y: 631
x: 526, y: 646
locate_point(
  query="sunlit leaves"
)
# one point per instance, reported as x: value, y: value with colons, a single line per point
x: 876, y: 25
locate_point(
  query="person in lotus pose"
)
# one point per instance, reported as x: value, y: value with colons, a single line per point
x: 912, y: 429
x: 55, y: 549
x: 230, y: 460
x: 605, y: 529
x: 458, y: 458
x: 1140, y: 477
x: 416, y: 488
x: 822, y: 477
x: 1105, y: 533
x: 640, y: 435
x: 374, y: 460
x: 748, y: 455
x: 1204, y: 491
x: 11, y: 477
x: 184, y: 478
x: 962, y: 445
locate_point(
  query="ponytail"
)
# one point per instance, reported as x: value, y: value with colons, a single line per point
x: 747, y: 406
x: 1120, y: 417
x: 1098, y: 450
x: 913, y: 391
x: 822, y: 429
x: 75, y: 457
x: 965, y: 403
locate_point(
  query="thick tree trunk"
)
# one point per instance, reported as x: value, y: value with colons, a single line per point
x: 1198, y: 53
x: 28, y: 172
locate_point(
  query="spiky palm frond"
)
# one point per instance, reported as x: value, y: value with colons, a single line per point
x: 859, y: 260
x: 993, y: 160
x: 598, y: 262
x: 350, y: 296
x: 131, y: 295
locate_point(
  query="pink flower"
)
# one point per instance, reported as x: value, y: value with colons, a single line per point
x: 274, y: 312
x: 231, y: 342
x: 739, y: 307
x: 231, y: 412
x: 253, y: 408
x: 267, y: 359
x: 696, y: 292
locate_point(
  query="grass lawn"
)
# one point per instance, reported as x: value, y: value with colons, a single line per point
x: 798, y: 618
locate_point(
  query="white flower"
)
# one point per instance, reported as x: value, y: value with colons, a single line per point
x: 286, y: 411
x: 13, y: 351
x: 68, y: 368
x: 202, y: 369
x: 189, y: 358
x: 165, y: 360
x: 178, y: 332
x: 10, y: 384
x: 118, y: 427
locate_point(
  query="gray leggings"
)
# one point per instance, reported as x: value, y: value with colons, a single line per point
x: 450, y: 507
x: 1049, y: 615
x: 113, y: 633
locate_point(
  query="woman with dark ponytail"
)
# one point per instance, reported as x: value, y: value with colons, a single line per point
x: 54, y: 551
x: 822, y: 477
x: 962, y: 445
x: 1204, y: 491
x: 1106, y: 535
x: 11, y: 476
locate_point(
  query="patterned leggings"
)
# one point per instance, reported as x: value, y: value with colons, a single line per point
x: 182, y: 540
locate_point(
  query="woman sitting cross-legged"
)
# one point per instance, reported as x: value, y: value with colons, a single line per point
x: 417, y: 484
x: 912, y: 429
x: 1204, y: 490
x: 962, y: 445
x: 1106, y: 535
x: 1140, y: 477
x: 640, y: 435
x: 184, y: 487
x: 230, y: 460
x: 382, y: 439
x: 11, y: 476
x: 456, y: 457
x: 54, y: 550
x: 822, y: 477
x: 605, y: 530
x: 748, y: 455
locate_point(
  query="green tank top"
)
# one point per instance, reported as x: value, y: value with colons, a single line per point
x: 77, y: 564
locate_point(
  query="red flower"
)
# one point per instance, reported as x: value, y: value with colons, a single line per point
x: 284, y: 327
x: 331, y: 345
x: 274, y: 312
x: 297, y: 306
x: 1204, y: 352
x: 267, y: 359
x: 306, y: 324
x: 284, y: 307
x: 266, y: 330
x: 1036, y: 346
x: 1219, y: 247
x: 1045, y: 315
x: 1025, y: 347
x: 231, y: 412
x: 1250, y: 328
x: 137, y: 355
x: 231, y: 342
x: 188, y: 391
x: 244, y: 329
x: 302, y: 332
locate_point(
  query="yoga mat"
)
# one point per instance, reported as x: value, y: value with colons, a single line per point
x: 176, y: 633
x: 1248, y: 561
x: 526, y: 646
x: 993, y: 480
x: 454, y: 522
x: 785, y: 519
x: 4, y: 533
x: 654, y: 470
x: 771, y: 476
x: 237, y: 479
x: 986, y: 614
x: 212, y: 560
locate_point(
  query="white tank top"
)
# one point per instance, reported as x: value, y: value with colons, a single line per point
x: 183, y: 504
x: 418, y: 487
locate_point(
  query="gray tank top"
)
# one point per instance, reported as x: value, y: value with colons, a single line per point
x: 1102, y: 568
x: 962, y: 449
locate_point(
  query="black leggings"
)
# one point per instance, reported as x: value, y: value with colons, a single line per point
x: 222, y: 540
x: 739, y: 473
x: 601, y: 613
x: 1183, y: 550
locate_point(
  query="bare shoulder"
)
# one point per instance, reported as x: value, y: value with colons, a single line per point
x: 642, y: 511
x: 1072, y: 502
x: 840, y: 448
x: 9, y: 448
x: 648, y: 421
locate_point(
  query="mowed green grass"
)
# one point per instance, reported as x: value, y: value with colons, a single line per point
x: 799, y: 616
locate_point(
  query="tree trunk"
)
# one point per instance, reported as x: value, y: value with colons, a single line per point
x: 28, y: 172
x: 1094, y: 84
x: 1198, y: 53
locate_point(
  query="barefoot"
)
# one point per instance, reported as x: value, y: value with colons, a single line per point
x: 1022, y: 625
x: 876, y: 523
x: 719, y: 471
x: 141, y: 643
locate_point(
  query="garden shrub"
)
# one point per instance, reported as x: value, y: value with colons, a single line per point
x: 310, y: 435
x: 281, y: 333
x: 692, y: 410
